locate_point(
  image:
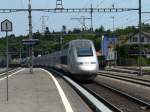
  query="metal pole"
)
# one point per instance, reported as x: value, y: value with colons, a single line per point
x: 84, y: 27
x: 43, y: 23
x: 113, y: 23
x: 91, y: 18
x: 20, y: 56
x: 61, y: 40
x: 140, y: 37
x: 7, y: 58
x: 30, y: 37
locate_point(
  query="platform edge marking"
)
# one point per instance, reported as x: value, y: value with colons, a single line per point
x: 65, y: 101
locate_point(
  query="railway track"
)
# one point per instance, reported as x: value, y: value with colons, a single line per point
x: 96, y: 103
x: 122, y: 101
x: 114, y: 99
x: 2, y: 74
x: 129, y: 70
x: 130, y: 79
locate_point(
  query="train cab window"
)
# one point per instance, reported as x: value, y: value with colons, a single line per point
x: 84, y: 52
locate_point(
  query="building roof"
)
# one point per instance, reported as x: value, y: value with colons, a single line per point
x: 125, y: 38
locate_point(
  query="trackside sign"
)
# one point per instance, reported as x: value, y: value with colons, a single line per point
x: 6, y: 26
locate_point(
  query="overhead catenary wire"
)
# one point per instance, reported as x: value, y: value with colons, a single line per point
x: 133, y: 20
x: 117, y: 19
x: 89, y: 0
x: 85, y: 6
x: 127, y: 17
x: 114, y: 4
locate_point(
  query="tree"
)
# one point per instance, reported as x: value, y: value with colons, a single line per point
x: 47, y: 32
x: 64, y: 29
x: 100, y: 30
x: 76, y: 30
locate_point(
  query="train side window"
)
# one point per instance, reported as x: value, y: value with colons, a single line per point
x: 69, y: 51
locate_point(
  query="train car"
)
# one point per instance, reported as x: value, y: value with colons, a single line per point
x: 15, y: 62
x: 77, y: 57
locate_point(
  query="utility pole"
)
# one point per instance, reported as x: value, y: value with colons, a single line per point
x: 30, y: 37
x: 140, y: 37
x: 59, y: 4
x: 82, y: 21
x: 91, y: 18
x: 20, y: 55
x: 43, y: 23
x: 61, y: 39
x: 113, y: 18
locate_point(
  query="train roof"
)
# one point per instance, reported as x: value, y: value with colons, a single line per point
x: 79, y: 42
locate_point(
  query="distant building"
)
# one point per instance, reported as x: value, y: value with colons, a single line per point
x: 133, y: 41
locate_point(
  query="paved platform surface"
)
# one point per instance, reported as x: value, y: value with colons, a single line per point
x: 30, y: 93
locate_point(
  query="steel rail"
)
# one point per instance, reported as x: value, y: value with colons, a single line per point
x: 107, y: 103
x: 9, y: 71
x: 135, y: 71
x: 136, y: 100
x: 132, y: 80
x: 139, y: 79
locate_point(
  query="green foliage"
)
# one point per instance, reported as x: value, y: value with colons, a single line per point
x: 51, y: 41
x: 126, y: 31
x: 144, y: 61
x: 2, y: 43
x: 122, y: 51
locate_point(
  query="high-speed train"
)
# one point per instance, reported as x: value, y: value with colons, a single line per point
x: 77, y: 57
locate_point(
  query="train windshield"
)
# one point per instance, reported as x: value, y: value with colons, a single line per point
x: 84, y: 52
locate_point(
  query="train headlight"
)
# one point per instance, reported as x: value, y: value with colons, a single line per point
x: 93, y: 62
x: 80, y: 63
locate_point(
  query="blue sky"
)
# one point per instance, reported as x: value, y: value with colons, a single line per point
x: 55, y: 21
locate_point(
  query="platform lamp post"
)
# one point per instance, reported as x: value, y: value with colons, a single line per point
x: 6, y: 26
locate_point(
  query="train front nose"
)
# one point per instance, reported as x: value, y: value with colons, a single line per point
x: 88, y: 67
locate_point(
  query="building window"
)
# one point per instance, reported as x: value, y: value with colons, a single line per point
x: 134, y: 39
x: 148, y: 39
x: 142, y: 39
x: 130, y: 39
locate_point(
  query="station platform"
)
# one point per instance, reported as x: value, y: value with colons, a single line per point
x: 36, y: 92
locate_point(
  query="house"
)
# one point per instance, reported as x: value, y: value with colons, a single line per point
x: 133, y: 42
x: 134, y: 39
